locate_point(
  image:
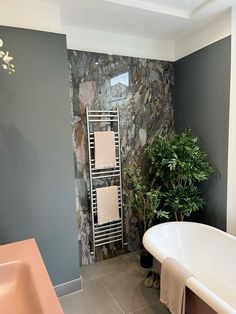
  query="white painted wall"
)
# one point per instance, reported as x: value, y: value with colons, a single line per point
x: 231, y: 188
x: 119, y: 44
x: 46, y: 17
x: 217, y: 29
x: 25, y: 14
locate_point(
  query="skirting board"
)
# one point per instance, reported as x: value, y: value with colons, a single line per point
x: 68, y: 287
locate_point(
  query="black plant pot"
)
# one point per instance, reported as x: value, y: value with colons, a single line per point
x: 146, y: 259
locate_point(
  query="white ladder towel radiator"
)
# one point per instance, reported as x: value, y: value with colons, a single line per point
x: 109, y: 232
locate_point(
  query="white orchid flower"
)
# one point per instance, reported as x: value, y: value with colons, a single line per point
x: 7, y: 58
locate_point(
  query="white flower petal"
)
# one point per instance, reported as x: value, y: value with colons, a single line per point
x: 1, y: 43
x: 7, y: 58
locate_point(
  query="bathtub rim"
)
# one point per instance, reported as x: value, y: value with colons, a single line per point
x: 161, y: 255
x: 195, y: 285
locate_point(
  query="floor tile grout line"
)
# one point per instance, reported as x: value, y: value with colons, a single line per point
x: 109, y: 261
x: 144, y: 307
x: 100, y: 276
x: 104, y: 262
x: 117, y: 304
x: 106, y: 274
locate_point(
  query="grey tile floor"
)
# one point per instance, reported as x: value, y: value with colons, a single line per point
x: 112, y: 287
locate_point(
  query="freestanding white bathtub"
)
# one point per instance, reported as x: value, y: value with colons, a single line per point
x: 209, y: 253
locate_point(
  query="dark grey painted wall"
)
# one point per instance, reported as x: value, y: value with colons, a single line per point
x: 37, y: 196
x: 202, y: 89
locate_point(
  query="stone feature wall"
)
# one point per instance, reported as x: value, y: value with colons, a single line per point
x: 142, y: 90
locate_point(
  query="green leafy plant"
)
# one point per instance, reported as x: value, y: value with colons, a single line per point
x: 143, y: 197
x: 178, y: 165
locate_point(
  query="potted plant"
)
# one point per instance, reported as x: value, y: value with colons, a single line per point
x: 178, y: 165
x: 145, y: 199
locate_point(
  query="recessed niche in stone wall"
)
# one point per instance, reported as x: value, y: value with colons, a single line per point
x: 142, y: 90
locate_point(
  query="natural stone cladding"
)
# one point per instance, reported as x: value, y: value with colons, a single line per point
x: 142, y: 90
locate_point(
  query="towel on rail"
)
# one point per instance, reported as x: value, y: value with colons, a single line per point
x: 107, y: 204
x: 105, y: 152
x: 173, y: 290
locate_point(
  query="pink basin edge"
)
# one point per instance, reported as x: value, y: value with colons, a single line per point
x: 17, y: 289
x: 28, y: 253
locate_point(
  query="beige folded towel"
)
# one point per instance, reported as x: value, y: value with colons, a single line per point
x: 107, y: 204
x: 173, y: 290
x: 105, y: 153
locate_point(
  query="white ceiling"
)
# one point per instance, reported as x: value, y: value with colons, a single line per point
x: 181, y: 8
x: 188, y: 5
x: 166, y: 20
